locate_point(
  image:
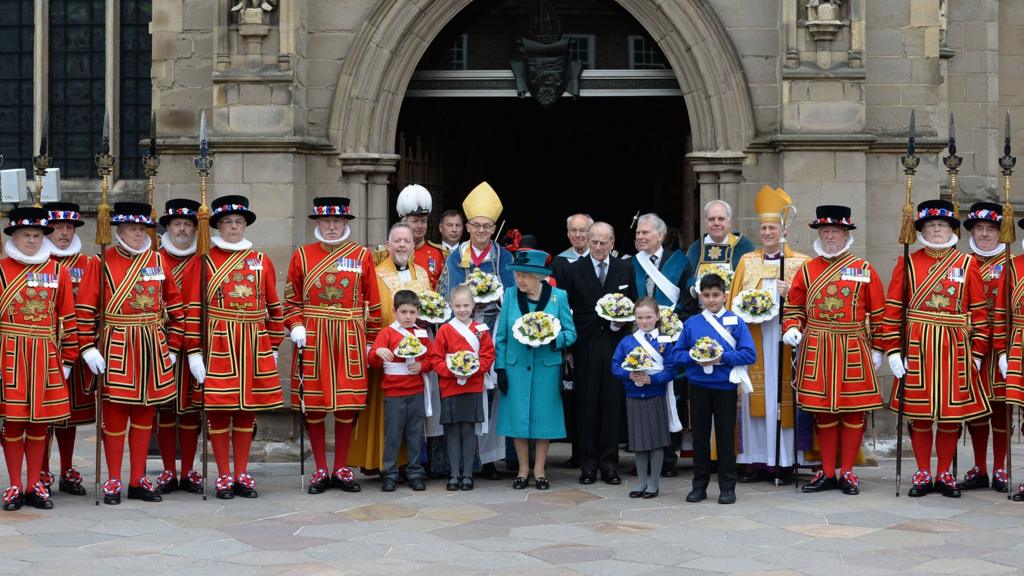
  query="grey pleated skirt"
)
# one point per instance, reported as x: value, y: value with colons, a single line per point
x: 462, y: 408
x: 647, y: 420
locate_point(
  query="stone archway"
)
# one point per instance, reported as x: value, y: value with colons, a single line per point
x: 391, y: 42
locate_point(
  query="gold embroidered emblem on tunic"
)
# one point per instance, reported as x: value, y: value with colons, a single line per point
x: 241, y: 291
x: 143, y: 302
x: 34, y: 310
x: 714, y: 252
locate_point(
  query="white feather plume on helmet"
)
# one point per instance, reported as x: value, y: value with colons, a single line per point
x: 414, y: 199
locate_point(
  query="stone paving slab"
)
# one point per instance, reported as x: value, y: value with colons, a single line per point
x: 494, y: 530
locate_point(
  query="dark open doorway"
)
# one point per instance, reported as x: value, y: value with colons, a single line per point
x: 607, y: 156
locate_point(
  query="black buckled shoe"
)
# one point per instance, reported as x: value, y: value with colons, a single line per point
x: 245, y: 486
x: 319, y: 482
x: 946, y: 485
x: 192, y: 482
x: 39, y: 497
x: 849, y: 483
x: 1019, y: 496
x: 820, y: 483
x: 923, y: 484
x: 225, y: 486
x: 144, y: 491
x: 112, y: 492
x: 13, y: 499
x: 71, y: 483
x: 974, y: 480
x: 999, y: 481
x: 343, y: 479
x: 167, y: 482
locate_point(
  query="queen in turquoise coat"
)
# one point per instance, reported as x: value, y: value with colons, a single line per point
x: 530, y: 406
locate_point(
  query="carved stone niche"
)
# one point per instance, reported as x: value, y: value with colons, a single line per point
x: 823, y: 20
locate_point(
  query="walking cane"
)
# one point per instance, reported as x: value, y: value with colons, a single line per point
x: 105, y: 167
x: 1007, y: 237
x: 302, y: 418
x: 907, y: 237
x: 203, y: 164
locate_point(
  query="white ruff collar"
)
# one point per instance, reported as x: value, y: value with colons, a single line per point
x: 167, y: 244
x: 42, y: 256
x: 999, y: 248
x: 320, y: 237
x: 223, y: 244
x: 132, y: 251
x: 947, y: 244
x: 820, y: 250
x: 73, y: 249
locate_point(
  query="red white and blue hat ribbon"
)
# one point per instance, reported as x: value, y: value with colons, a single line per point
x: 64, y: 215
x: 935, y: 213
x: 180, y: 212
x: 334, y: 210
x: 231, y: 208
x: 131, y: 219
x: 990, y: 215
x: 836, y: 221
x: 30, y: 222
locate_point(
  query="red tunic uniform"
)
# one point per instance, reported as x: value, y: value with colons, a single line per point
x: 991, y: 269
x: 947, y: 325
x: 430, y: 258
x: 831, y: 301
x: 449, y: 341
x: 38, y: 337
x: 83, y: 401
x: 244, y: 328
x: 1014, y: 389
x: 182, y: 376
x: 139, y: 293
x: 332, y: 292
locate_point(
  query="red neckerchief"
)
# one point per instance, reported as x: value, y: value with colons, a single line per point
x: 477, y: 261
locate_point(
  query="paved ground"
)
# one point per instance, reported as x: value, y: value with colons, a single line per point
x: 570, y: 529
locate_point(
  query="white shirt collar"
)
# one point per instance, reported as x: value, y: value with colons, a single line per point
x: 450, y: 247
x: 167, y: 244
x: 42, y: 256
x: 708, y: 240
x: 594, y: 262
x: 73, y: 249
x: 223, y: 244
x: 658, y: 254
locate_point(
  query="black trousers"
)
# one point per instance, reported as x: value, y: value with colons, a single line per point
x: 599, y: 403
x: 707, y: 404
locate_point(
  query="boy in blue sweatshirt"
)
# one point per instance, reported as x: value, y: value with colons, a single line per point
x: 713, y: 392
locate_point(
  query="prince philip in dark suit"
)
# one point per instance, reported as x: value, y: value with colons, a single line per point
x: 599, y: 396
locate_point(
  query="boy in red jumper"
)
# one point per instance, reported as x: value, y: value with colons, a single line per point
x: 403, y: 387
x: 462, y: 397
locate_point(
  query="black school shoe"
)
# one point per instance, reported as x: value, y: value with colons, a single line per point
x: 417, y: 484
x: 697, y: 495
x: 387, y: 485
x: 820, y: 483
x: 727, y: 497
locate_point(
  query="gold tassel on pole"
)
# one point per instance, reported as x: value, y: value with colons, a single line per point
x: 150, y: 164
x: 203, y: 164
x: 908, y: 234
x: 1006, y: 163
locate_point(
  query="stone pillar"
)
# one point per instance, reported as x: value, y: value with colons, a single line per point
x: 364, y: 180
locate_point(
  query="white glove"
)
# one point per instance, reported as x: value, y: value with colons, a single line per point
x: 616, y: 326
x: 298, y: 336
x: 896, y: 365
x: 67, y: 371
x: 275, y: 358
x: 1003, y: 364
x: 94, y: 360
x: 173, y: 357
x: 977, y: 364
x: 876, y: 359
x: 792, y: 337
x: 195, y: 366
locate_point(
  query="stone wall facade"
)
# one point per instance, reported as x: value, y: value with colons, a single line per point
x: 303, y: 100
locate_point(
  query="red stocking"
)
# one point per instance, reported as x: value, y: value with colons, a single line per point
x: 115, y: 426
x: 945, y: 446
x: 979, y: 441
x: 241, y: 439
x: 138, y: 441
x: 188, y: 440
x: 167, y: 437
x: 828, y: 441
x: 344, y: 422
x: 921, y: 442
x: 851, y: 437
x: 66, y: 446
x: 1000, y: 420
x: 14, y: 450
x: 220, y: 422
x: 315, y: 429
x: 36, y: 441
